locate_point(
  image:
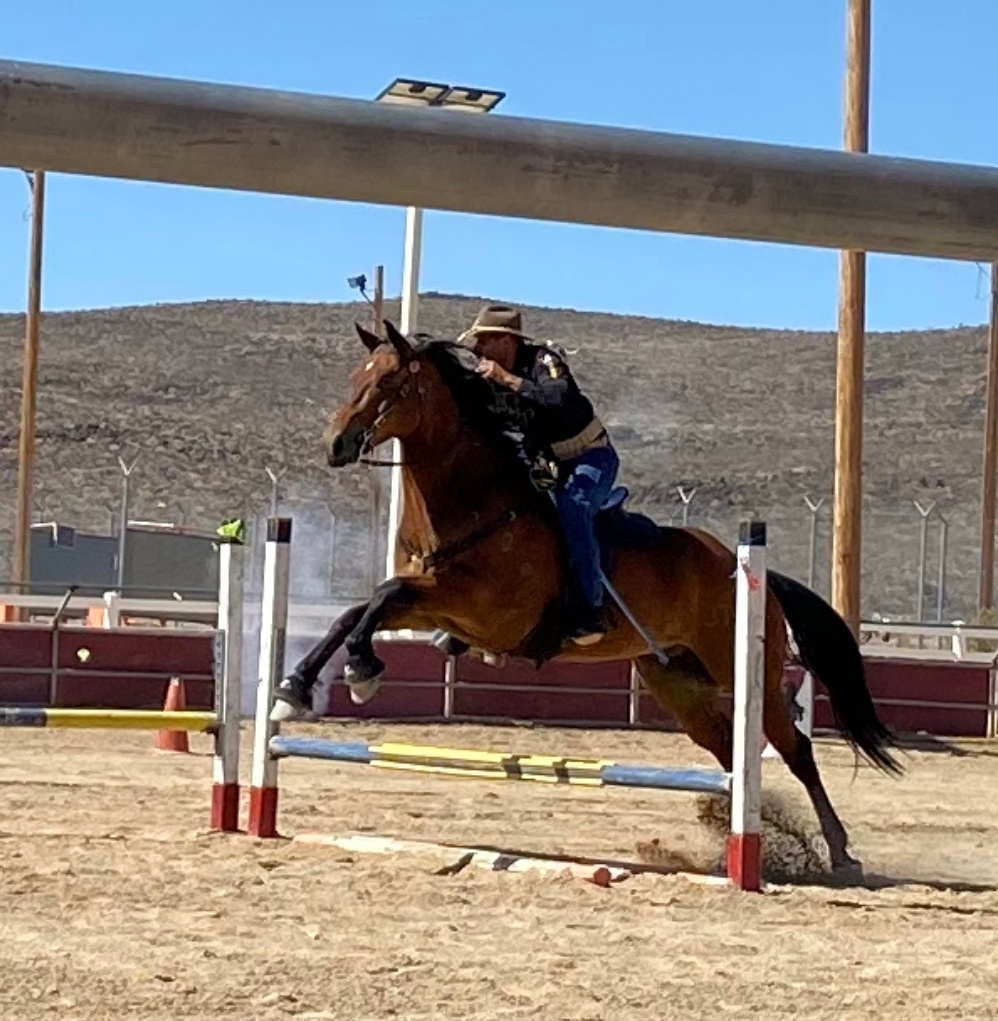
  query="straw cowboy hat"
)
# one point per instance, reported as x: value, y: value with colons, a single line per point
x: 496, y: 319
x: 506, y: 319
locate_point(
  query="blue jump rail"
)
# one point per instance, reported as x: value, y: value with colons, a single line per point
x: 704, y: 781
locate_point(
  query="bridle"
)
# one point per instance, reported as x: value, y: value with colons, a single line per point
x: 399, y: 395
x: 441, y: 555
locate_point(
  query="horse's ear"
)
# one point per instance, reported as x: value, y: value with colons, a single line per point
x: 399, y: 342
x: 370, y: 340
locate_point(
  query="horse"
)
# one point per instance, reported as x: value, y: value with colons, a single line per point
x: 479, y: 555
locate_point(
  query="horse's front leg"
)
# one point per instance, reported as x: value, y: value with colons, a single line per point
x: 293, y: 696
x: 400, y: 602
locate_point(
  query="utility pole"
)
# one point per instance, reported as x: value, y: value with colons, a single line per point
x: 847, y: 525
x: 29, y: 390
x: 986, y: 590
x: 379, y: 299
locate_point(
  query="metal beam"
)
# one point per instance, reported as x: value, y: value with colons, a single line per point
x: 77, y: 121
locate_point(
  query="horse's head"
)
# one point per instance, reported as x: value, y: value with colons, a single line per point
x: 384, y: 399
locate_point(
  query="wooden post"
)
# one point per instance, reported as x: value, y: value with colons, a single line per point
x: 29, y: 391
x: 987, y: 580
x: 379, y: 299
x: 847, y: 523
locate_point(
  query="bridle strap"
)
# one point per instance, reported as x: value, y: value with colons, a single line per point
x: 373, y: 462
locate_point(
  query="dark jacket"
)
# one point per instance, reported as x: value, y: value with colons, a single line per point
x: 557, y: 408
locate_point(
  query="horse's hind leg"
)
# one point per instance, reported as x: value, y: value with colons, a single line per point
x: 797, y: 752
x: 687, y: 691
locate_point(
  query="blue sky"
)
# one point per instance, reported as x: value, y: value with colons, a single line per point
x: 769, y: 71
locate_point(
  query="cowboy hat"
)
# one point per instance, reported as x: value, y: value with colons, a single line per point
x: 496, y: 319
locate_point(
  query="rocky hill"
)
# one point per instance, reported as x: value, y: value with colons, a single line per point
x: 207, y: 395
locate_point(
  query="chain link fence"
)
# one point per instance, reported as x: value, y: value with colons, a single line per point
x: 920, y: 559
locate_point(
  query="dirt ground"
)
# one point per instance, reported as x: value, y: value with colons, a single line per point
x: 117, y: 903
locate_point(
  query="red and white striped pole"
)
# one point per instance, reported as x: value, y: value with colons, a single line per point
x: 228, y: 688
x: 273, y: 634
x: 744, y: 842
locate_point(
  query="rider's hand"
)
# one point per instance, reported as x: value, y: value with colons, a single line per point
x: 494, y: 371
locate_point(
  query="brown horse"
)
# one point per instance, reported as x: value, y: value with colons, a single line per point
x: 479, y: 554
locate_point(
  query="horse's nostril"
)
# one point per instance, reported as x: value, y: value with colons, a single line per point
x: 336, y: 449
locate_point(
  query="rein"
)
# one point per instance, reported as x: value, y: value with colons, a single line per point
x: 403, y: 392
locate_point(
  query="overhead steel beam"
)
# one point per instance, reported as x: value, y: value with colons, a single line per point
x: 116, y: 125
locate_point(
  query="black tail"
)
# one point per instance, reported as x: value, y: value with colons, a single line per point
x: 831, y: 654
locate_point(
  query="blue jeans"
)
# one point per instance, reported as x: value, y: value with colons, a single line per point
x: 583, y: 484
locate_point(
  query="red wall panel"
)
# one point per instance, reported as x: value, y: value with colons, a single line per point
x: 131, y: 668
x: 126, y: 669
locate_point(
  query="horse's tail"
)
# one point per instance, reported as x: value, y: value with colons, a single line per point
x: 831, y: 654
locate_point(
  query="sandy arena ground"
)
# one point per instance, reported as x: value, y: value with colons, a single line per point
x: 117, y: 903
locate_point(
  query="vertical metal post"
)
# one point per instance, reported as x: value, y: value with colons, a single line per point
x: 275, y: 495
x: 687, y: 499
x: 450, y: 686
x: 54, y: 669
x: 812, y: 556
x: 29, y: 392
x: 941, y: 579
x: 986, y: 584
x: 847, y: 524
x: 744, y: 843
x: 923, y: 539
x: 410, y: 315
x: 634, y: 697
x: 123, y: 514
x: 374, y: 538
x: 331, y: 590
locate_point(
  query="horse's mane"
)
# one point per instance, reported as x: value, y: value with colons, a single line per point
x: 487, y: 408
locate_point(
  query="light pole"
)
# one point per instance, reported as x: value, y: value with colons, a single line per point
x: 29, y: 391
x: 412, y: 92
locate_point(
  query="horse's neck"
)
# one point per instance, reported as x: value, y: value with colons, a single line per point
x: 449, y: 487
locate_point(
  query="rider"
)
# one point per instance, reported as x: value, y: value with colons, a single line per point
x: 563, y: 427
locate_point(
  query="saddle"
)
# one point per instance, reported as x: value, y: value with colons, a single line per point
x: 617, y: 527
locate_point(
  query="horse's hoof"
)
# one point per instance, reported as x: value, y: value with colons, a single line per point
x: 363, y: 679
x: 362, y: 692
x: 292, y: 699
x: 848, y: 872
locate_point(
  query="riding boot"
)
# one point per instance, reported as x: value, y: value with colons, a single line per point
x: 590, y: 626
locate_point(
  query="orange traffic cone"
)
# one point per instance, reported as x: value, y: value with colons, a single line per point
x: 176, y: 698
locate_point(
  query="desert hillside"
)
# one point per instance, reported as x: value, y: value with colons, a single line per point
x: 207, y: 395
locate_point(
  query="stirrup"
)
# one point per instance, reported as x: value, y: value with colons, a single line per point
x: 590, y: 638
